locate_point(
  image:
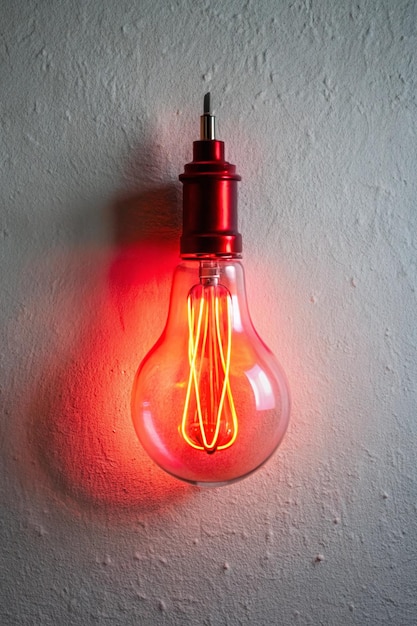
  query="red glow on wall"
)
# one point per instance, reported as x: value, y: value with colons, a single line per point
x: 79, y: 424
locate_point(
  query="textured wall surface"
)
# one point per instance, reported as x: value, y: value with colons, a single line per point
x: 99, y: 106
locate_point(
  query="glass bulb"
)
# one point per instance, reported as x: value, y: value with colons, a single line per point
x: 210, y: 402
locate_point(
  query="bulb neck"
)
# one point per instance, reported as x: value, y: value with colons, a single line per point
x: 210, y: 204
x: 208, y: 272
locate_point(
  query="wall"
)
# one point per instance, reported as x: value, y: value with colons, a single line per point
x: 316, y: 101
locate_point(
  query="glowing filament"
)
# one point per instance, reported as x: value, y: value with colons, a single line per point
x: 209, y: 419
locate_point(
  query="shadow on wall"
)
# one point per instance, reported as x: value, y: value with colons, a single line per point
x: 110, y: 311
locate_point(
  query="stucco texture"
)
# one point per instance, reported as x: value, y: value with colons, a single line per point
x: 316, y: 101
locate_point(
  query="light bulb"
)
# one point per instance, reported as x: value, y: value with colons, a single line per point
x: 210, y: 402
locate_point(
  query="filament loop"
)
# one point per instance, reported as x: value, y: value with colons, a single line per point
x: 209, y: 312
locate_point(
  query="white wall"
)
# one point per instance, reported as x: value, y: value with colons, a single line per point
x: 316, y: 101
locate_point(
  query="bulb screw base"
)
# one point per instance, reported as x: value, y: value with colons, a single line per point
x: 209, y: 198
